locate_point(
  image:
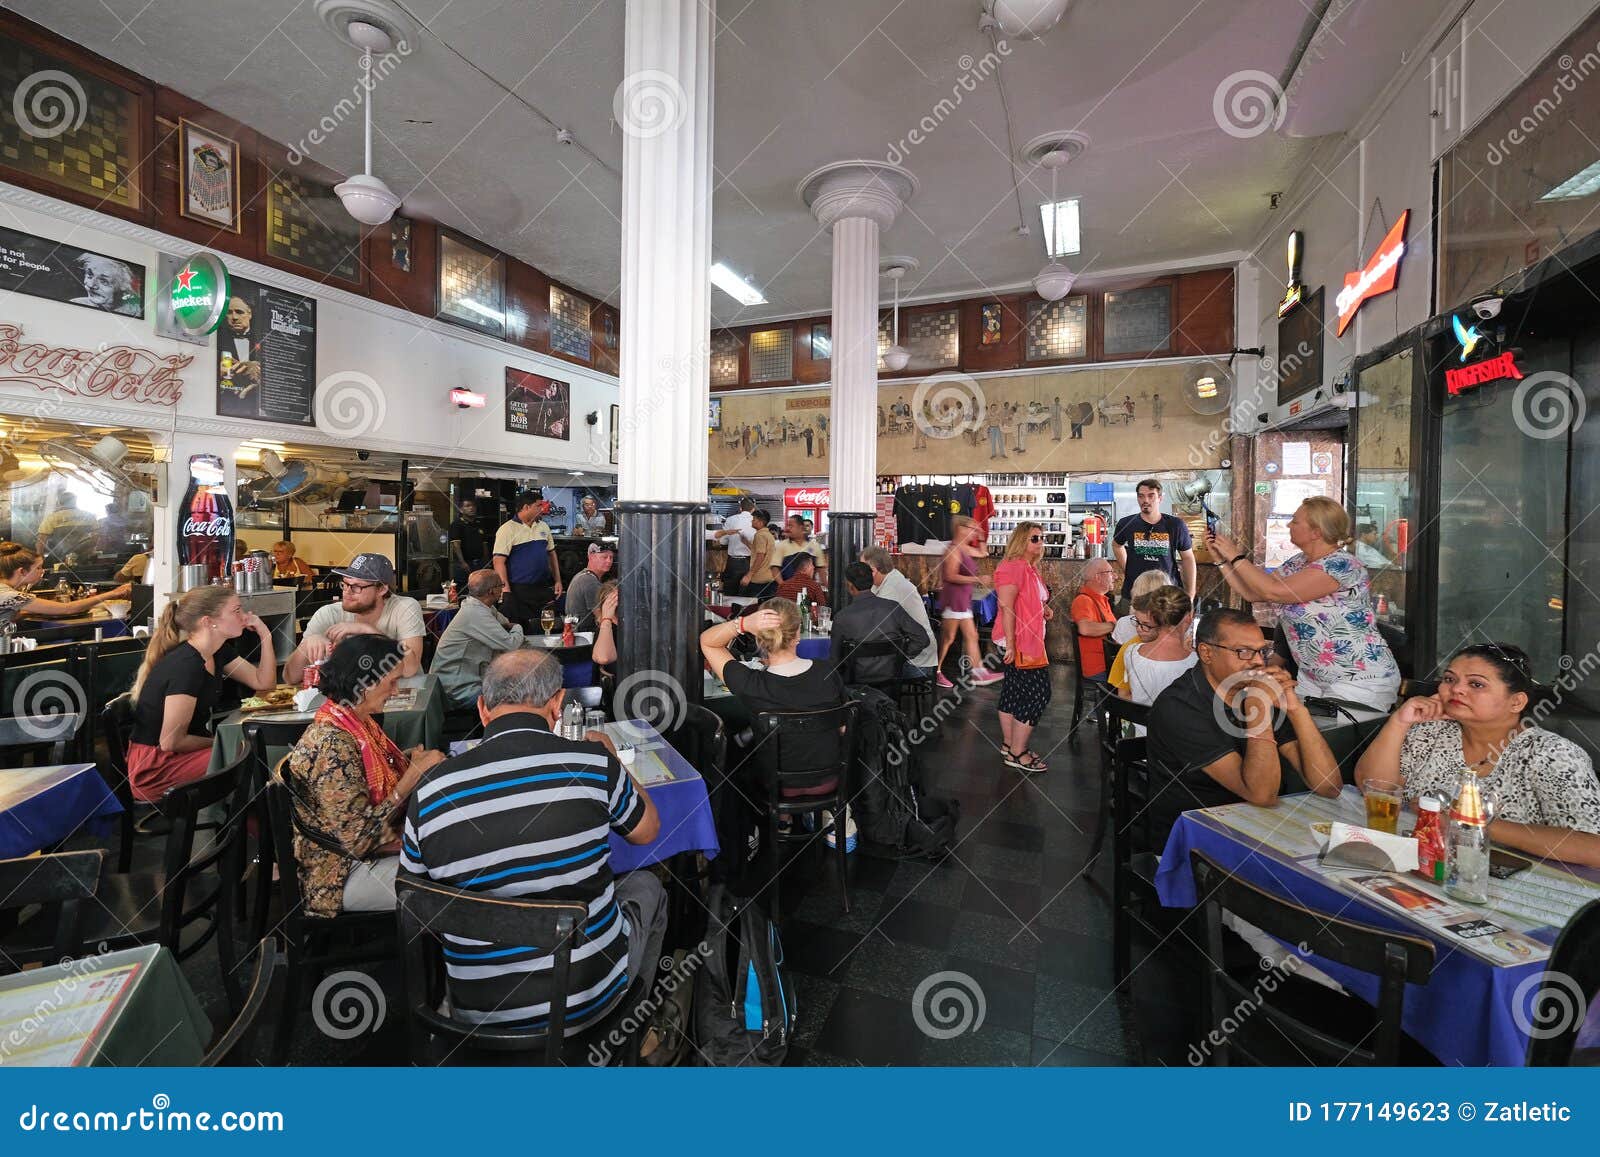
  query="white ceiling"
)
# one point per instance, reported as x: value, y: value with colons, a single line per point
x: 799, y: 83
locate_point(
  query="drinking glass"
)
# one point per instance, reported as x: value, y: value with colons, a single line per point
x: 547, y: 620
x: 1382, y: 798
x: 594, y: 719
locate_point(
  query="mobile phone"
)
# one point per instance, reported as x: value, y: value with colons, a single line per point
x: 1504, y: 865
x: 1211, y: 517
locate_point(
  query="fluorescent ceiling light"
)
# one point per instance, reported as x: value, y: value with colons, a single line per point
x: 479, y: 307
x: 735, y: 286
x: 1060, y: 221
x: 1584, y: 183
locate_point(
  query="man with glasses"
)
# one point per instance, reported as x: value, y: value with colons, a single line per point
x: 1094, y: 618
x: 1222, y: 731
x: 367, y: 606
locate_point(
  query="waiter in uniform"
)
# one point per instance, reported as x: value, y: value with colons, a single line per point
x: 525, y: 560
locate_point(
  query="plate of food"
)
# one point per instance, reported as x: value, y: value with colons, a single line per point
x: 277, y: 699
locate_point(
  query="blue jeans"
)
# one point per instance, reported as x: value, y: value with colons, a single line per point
x: 912, y: 671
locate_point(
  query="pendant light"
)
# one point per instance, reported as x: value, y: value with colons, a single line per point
x: 366, y: 197
x: 896, y: 357
x: 1054, y: 281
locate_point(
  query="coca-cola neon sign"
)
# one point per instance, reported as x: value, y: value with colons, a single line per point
x: 117, y: 373
x: 1377, y: 277
x: 807, y: 497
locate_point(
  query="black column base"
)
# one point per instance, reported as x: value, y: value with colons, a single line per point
x: 848, y: 535
x: 661, y: 559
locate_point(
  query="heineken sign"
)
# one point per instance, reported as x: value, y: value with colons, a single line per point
x: 197, y: 295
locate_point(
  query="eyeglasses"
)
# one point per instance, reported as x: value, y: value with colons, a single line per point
x: 1245, y: 653
x: 1035, y: 538
x: 350, y: 586
x: 1143, y: 625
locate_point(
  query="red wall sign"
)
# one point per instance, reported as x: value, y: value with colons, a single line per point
x: 118, y: 373
x: 1488, y: 370
x: 809, y: 498
x: 1378, y: 276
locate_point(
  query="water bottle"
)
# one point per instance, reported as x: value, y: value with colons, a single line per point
x: 572, y: 719
x: 805, y: 619
x: 1467, y: 877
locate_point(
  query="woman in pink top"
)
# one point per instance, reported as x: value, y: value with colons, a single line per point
x: 1024, y: 610
x: 960, y: 574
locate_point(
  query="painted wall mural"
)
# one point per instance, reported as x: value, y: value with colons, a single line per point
x: 1075, y: 421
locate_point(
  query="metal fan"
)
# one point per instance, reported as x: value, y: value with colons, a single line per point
x: 293, y: 479
x: 104, y: 467
x: 13, y: 472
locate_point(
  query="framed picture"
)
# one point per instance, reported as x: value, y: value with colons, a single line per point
x: 616, y: 430
x: 39, y: 267
x: 989, y: 328
x: 471, y: 289
x: 1138, y: 321
x: 400, y: 243
x: 208, y: 176
x: 306, y: 225
x: 267, y: 355
x: 538, y: 405
x: 714, y: 417
x: 821, y: 341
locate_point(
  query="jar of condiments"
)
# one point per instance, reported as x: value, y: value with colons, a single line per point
x: 1432, y: 859
x: 569, y: 631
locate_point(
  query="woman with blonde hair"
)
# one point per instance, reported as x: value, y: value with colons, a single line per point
x: 959, y: 572
x: 190, y: 652
x: 1149, y: 665
x: 20, y: 568
x: 1323, y: 595
x: 1019, y: 629
x: 1127, y: 628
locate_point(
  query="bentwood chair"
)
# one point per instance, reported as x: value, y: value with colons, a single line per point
x: 1086, y: 693
x: 236, y: 1047
x: 62, y: 885
x: 428, y: 911
x: 1134, y: 900
x: 803, y: 759
x: 1571, y: 986
x: 1122, y: 716
x: 1286, y: 1025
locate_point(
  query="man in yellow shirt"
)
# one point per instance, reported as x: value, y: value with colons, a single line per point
x: 525, y: 560
x: 797, y: 541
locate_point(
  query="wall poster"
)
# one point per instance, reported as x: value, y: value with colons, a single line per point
x: 538, y: 405
x: 39, y: 267
x: 267, y: 355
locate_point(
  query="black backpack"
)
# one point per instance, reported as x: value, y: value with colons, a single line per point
x: 895, y: 818
x: 744, y: 1008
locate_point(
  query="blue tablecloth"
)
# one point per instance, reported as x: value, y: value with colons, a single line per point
x: 814, y: 647
x: 41, y: 806
x: 1463, y: 1014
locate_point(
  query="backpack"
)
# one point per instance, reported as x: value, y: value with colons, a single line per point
x: 744, y: 1003
x: 895, y: 819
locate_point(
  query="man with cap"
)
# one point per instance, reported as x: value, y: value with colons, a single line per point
x: 525, y: 559
x: 367, y: 606
x: 584, y: 593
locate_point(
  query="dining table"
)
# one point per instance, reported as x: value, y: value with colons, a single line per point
x: 413, y: 716
x: 1477, y: 1007
x: 127, y: 1009
x: 40, y: 807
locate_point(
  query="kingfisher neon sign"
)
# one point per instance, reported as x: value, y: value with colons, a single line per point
x: 1376, y: 278
x: 1478, y: 373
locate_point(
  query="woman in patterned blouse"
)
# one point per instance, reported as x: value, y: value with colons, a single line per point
x: 1542, y: 788
x: 351, y: 782
x: 1326, y: 606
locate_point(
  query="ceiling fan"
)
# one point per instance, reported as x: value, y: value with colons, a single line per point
x: 105, y: 468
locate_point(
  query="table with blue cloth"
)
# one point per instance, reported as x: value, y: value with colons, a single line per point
x: 814, y: 644
x: 42, y: 806
x: 676, y: 788
x: 1471, y: 1011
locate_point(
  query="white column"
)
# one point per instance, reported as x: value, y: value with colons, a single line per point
x: 663, y: 106
x: 856, y: 201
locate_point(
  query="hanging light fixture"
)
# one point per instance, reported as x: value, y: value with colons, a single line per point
x: 1027, y: 19
x: 1054, y: 281
x: 896, y: 357
x: 366, y: 197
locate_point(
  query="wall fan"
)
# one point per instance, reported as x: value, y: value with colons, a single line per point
x: 105, y: 469
x: 13, y: 472
x: 293, y: 479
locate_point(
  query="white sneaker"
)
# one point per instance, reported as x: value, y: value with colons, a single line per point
x: 849, y: 830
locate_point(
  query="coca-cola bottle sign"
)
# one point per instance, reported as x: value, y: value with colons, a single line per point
x: 205, y: 534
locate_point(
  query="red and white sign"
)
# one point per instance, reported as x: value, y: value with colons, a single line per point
x: 467, y: 399
x: 117, y: 373
x: 806, y: 498
x: 1488, y: 370
x: 1378, y: 277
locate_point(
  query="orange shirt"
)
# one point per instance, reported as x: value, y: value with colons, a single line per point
x: 1095, y: 607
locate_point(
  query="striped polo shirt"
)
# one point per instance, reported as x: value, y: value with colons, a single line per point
x: 526, y: 814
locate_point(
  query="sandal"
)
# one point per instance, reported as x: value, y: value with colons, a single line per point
x: 1030, y: 762
x: 1011, y: 760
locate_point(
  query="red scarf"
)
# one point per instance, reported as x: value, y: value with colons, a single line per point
x: 382, y: 761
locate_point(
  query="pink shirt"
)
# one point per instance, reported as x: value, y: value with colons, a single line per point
x: 1027, y: 608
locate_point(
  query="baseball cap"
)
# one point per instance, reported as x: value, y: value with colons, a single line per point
x: 372, y: 568
x: 602, y: 548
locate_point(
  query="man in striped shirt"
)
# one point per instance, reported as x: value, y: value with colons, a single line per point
x: 527, y: 814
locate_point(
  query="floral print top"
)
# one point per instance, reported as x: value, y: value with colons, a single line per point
x: 326, y: 766
x: 1540, y: 778
x: 1335, y: 639
x: 11, y: 603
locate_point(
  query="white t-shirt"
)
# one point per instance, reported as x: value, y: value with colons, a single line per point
x: 400, y: 619
x: 1148, y: 678
x: 739, y: 544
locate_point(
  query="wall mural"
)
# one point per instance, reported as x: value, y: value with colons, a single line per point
x: 1075, y: 421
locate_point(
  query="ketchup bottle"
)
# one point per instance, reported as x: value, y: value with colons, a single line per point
x: 1431, y: 858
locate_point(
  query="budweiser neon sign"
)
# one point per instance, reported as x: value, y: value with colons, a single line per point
x: 1489, y: 370
x: 117, y: 373
x: 811, y: 499
x: 1376, y: 278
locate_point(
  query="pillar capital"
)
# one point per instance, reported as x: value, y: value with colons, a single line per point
x: 875, y: 190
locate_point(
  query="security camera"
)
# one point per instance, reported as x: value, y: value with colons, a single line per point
x: 564, y: 137
x: 1487, y: 306
x: 592, y: 417
x: 363, y: 454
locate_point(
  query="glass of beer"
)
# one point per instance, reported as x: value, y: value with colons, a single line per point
x: 1382, y: 798
x: 547, y: 620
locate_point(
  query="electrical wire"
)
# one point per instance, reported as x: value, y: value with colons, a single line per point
x: 1005, y: 108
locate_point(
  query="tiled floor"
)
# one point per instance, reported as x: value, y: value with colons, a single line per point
x: 1009, y: 911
